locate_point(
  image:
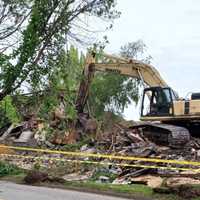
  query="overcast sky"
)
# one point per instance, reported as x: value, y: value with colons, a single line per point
x: 171, y: 31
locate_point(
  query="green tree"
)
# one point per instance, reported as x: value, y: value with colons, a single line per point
x: 113, y: 92
x: 65, y: 79
x: 8, y: 112
x: 41, y: 28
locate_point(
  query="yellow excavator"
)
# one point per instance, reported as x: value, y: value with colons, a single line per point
x: 168, y: 119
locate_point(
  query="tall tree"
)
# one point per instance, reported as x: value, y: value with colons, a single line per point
x: 64, y: 80
x: 114, y: 92
x: 32, y: 32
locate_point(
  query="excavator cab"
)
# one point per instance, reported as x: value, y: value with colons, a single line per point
x: 157, y: 101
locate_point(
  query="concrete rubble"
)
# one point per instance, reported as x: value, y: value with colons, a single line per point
x: 77, y: 176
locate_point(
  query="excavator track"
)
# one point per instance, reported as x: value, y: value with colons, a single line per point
x: 165, y: 134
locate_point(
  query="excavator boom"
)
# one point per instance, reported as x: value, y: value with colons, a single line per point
x: 132, y: 68
x: 128, y: 67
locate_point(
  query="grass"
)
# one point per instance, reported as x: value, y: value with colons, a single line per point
x: 198, y: 187
x: 111, y: 187
x: 7, y: 169
x: 14, y: 178
x: 134, y: 190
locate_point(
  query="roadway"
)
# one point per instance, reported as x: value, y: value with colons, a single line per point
x: 13, y: 191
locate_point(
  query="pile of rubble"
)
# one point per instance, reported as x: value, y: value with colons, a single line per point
x: 124, y: 141
x: 58, y: 131
x: 132, y: 142
x: 119, y: 140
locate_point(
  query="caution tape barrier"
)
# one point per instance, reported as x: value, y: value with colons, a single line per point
x: 106, y: 156
x: 101, y: 163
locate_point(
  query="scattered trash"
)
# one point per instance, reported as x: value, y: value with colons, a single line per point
x: 104, y: 179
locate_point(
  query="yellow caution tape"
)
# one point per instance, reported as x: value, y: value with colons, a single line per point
x: 106, y: 156
x: 102, y: 163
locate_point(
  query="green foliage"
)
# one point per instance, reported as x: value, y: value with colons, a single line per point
x: 8, y: 112
x: 63, y: 80
x: 42, y: 29
x: 71, y: 112
x: 108, y: 92
x: 113, y: 92
x: 136, y: 191
x: 67, y: 71
x: 15, y: 75
x: 48, y: 103
x: 133, y: 190
x: 9, y: 169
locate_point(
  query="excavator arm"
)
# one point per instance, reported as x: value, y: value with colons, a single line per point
x: 128, y: 67
x: 132, y: 68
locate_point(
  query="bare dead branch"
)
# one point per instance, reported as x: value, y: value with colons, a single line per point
x: 2, y: 50
x: 16, y: 29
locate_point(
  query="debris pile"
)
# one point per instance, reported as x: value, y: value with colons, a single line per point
x: 121, y: 140
x: 126, y: 141
x: 133, y: 142
x: 58, y: 131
